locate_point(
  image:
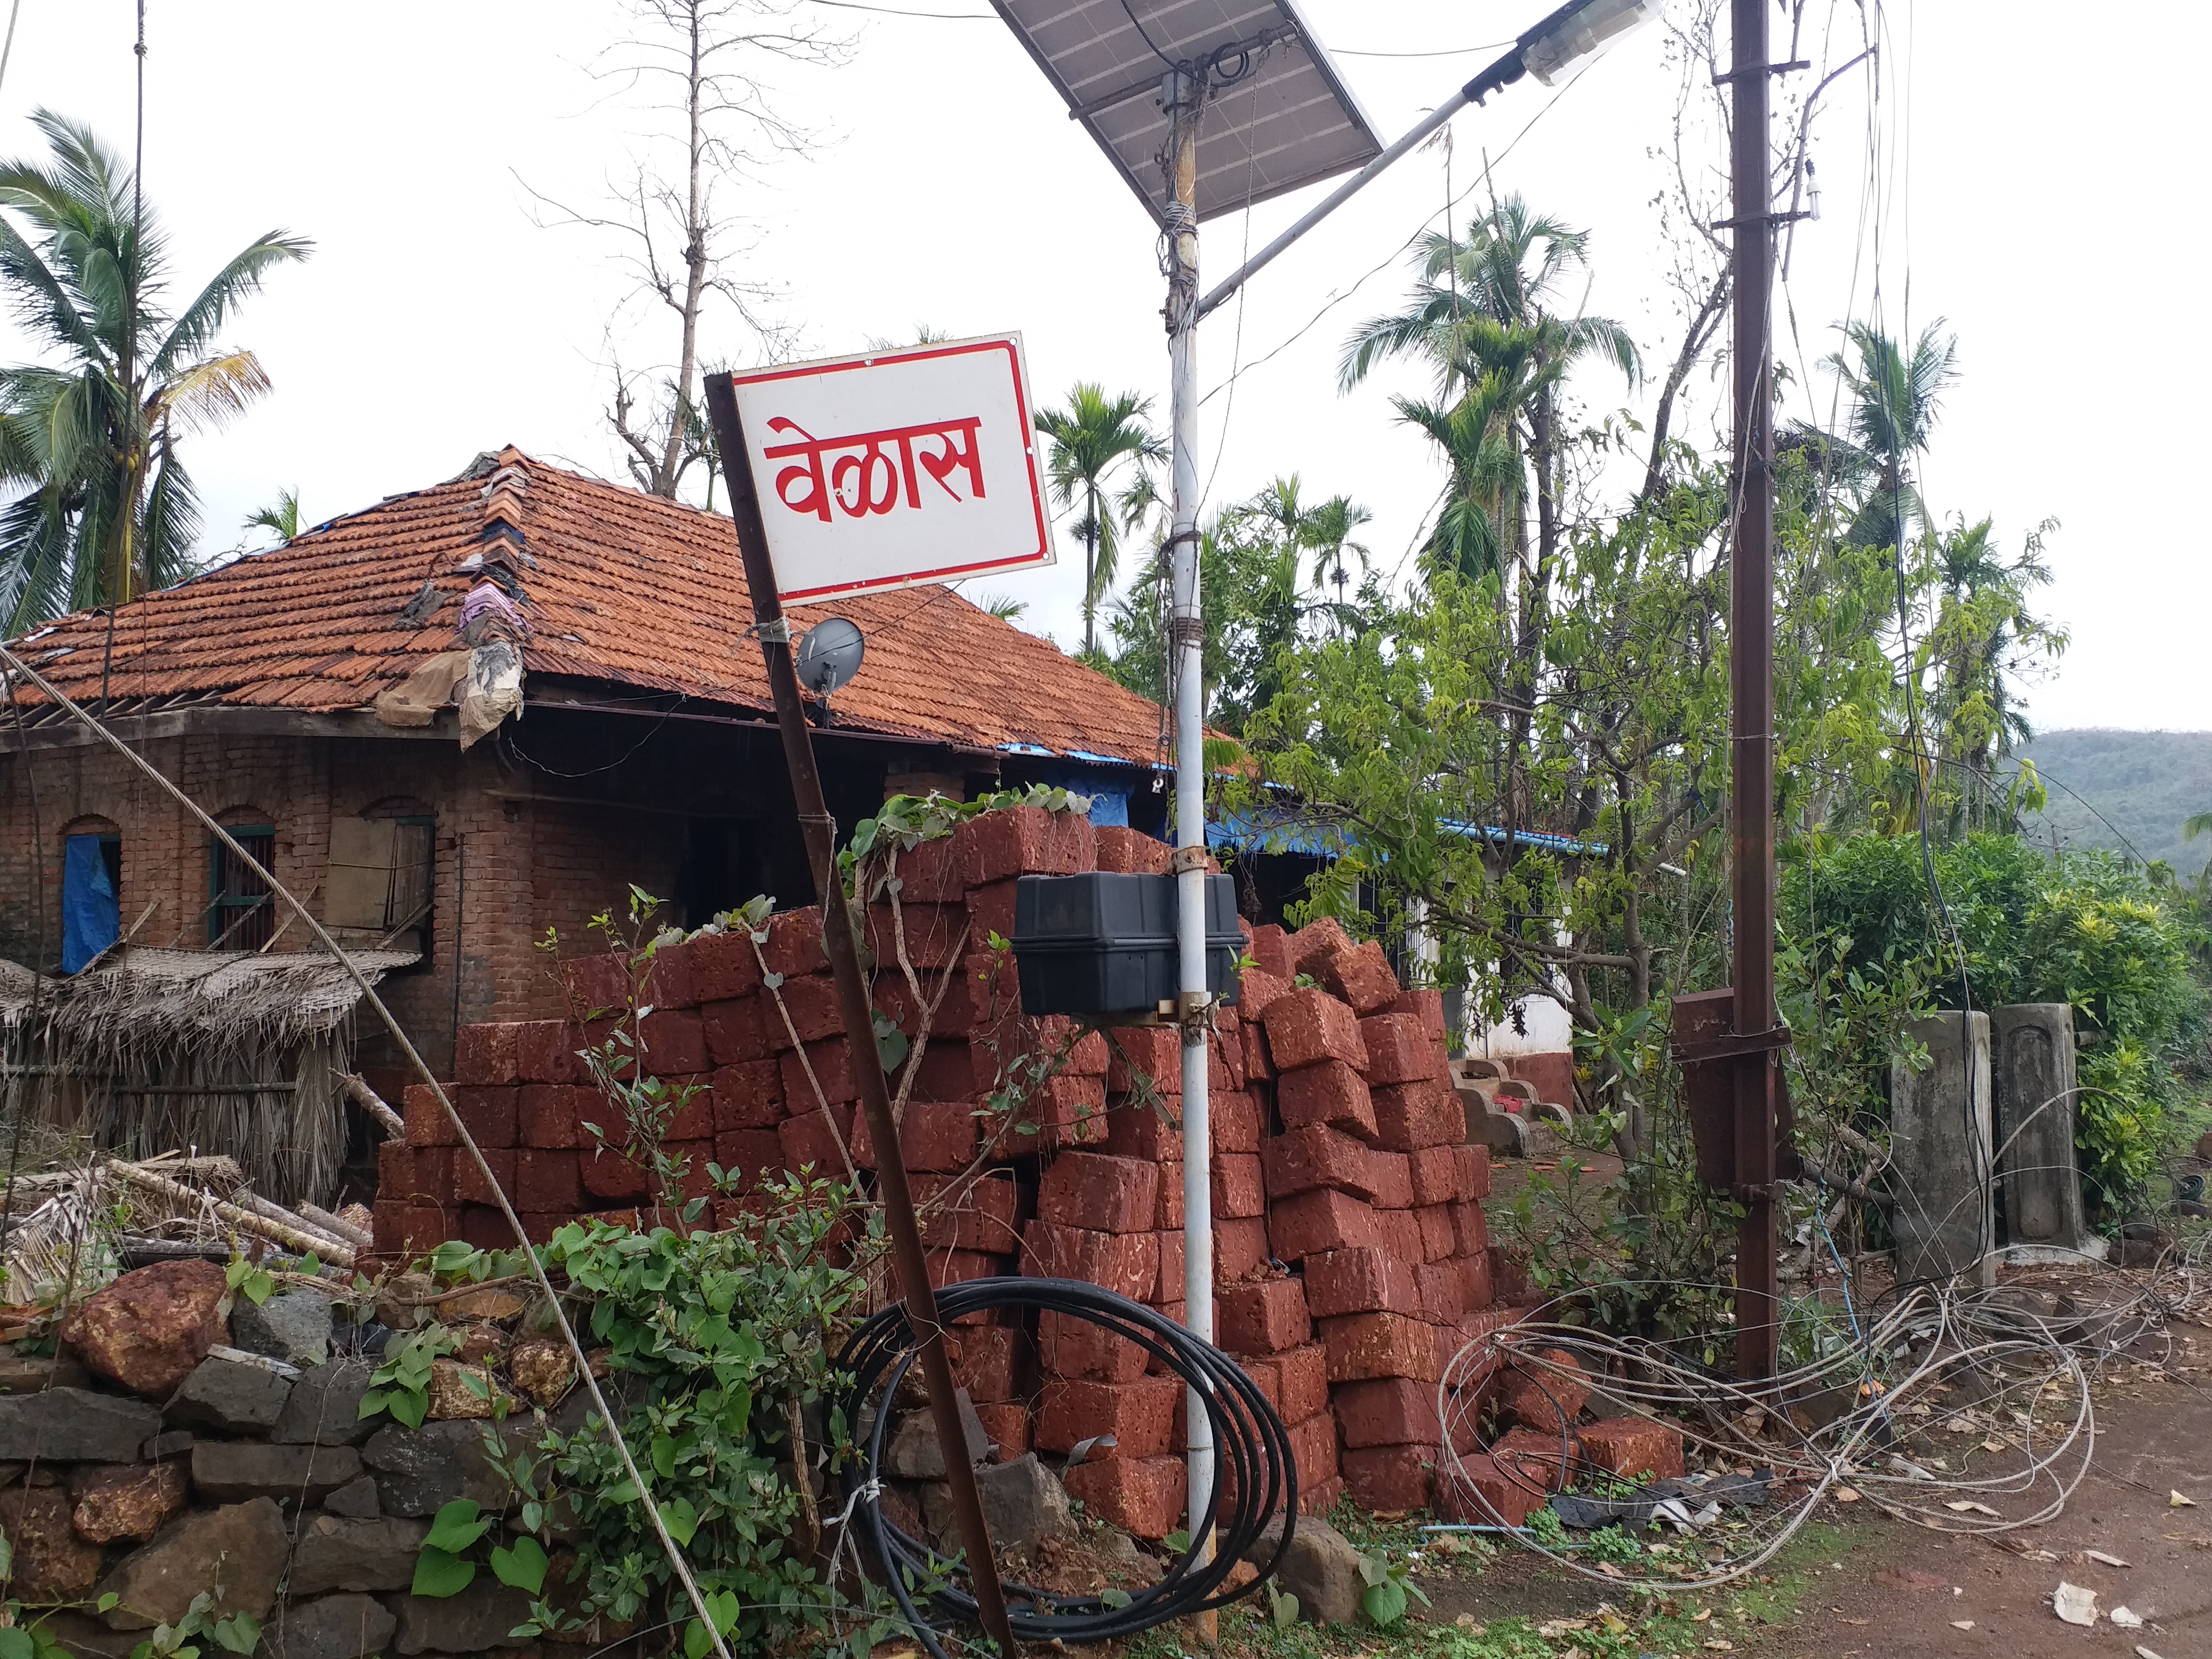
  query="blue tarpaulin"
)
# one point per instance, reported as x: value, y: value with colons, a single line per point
x: 90, y: 919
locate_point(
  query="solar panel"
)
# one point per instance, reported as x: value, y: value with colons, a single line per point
x: 1289, y: 122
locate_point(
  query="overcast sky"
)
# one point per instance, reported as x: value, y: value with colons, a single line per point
x: 2017, y: 177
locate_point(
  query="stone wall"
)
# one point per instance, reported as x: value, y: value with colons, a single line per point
x: 1351, y: 1257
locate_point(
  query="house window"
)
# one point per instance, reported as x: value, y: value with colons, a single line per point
x: 377, y: 893
x: 241, y: 913
x: 92, y: 878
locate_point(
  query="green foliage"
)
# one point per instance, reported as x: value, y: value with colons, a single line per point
x: 250, y: 1280
x: 240, y: 1633
x: 904, y: 822
x: 439, y: 1570
x: 401, y: 1385
x: 1388, y: 1581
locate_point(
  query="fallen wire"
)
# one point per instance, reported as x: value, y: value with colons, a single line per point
x: 2005, y: 1378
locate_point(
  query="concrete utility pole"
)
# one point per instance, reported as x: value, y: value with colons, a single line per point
x: 1751, y: 679
x: 1186, y: 100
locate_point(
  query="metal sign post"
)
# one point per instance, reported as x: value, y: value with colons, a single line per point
x: 852, y: 1006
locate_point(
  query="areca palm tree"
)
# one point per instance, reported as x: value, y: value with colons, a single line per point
x: 91, y: 436
x: 1092, y: 438
x: 1895, y: 397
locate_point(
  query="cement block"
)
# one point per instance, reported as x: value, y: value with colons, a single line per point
x: 1941, y: 1154
x: 2036, y: 1099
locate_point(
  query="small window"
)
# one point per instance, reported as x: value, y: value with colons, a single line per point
x: 92, y: 880
x: 241, y: 913
x: 379, y: 887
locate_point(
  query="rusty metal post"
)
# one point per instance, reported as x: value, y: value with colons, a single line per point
x: 853, y: 1004
x: 1750, y: 677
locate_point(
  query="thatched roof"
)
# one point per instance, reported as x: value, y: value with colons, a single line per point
x: 139, y: 999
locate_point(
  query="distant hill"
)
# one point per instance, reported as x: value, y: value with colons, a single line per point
x: 2128, y: 791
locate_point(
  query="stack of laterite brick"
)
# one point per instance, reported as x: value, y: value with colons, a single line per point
x: 1348, y: 1240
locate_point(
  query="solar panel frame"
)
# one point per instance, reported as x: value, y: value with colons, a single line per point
x: 1291, y: 122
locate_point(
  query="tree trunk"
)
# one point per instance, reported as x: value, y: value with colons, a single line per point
x: 670, y: 467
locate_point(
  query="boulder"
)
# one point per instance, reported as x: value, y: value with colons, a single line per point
x: 146, y: 1330
x: 418, y: 1471
x: 357, y: 1500
x: 73, y: 1425
x: 231, y: 1470
x: 1023, y: 1504
x: 325, y: 1406
x: 462, y: 1393
x: 480, y: 1617
x: 498, y: 1307
x: 541, y: 1369
x: 334, y: 1627
x: 83, y: 1637
x: 52, y: 1563
x: 292, y: 1325
x: 232, y: 1392
x: 338, y: 1554
x: 170, y: 1443
x: 26, y: 1373
x: 125, y: 1500
x: 1320, y: 1568
x: 236, y: 1551
x: 914, y: 1453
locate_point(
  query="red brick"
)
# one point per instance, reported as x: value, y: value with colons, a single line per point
x: 1544, y: 1391
x: 958, y: 1267
x: 1267, y: 1315
x: 1394, y: 1181
x: 957, y: 1070
x: 608, y: 1176
x: 1068, y: 1347
x: 1233, y: 1118
x: 490, y: 1113
x: 1124, y: 851
x: 1257, y: 990
x: 1239, y: 1194
x: 991, y: 909
x: 595, y: 985
x: 748, y: 1095
x: 1315, y: 1157
x: 692, y: 1102
x: 1103, y: 1193
x: 428, y: 1124
x: 1313, y: 945
x: 545, y: 1051
x: 1340, y: 1282
x: 1318, y: 1221
x: 395, y: 1170
x: 546, y: 1115
x: 407, y: 1229
x: 832, y: 1064
x: 1144, y: 1497
x: 1398, y: 1050
x: 1258, y: 1064
x: 668, y: 978
x: 1400, y: 1233
x: 1438, y: 1237
x: 1005, y: 1425
x: 1509, y: 1275
x: 1634, y: 1448
x: 548, y: 1180
x: 1168, y: 1286
x: 1434, y: 1174
x: 984, y: 990
x: 1128, y: 1263
x: 938, y: 1136
x: 1024, y: 840
x: 1088, y: 1055
x: 990, y: 1361
x: 1306, y: 1027
x: 794, y: 943
x: 748, y: 1154
x: 1301, y: 1377
x: 1472, y: 1227
x: 1224, y: 1065
x: 810, y: 1139
x: 1428, y: 1007
x: 1240, y: 1250
x: 1409, y: 1116
x: 1369, y: 1344
x: 674, y: 1041
x: 1269, y: 949
x: 1473, y: 1171
x: 736, y: 1030
x: 1168, y: 1212
x: 1479, y: 1491
x: 1148, y: 1054
x: 486, y: 1054
x: 1389, y: 1411
x: 1443, y: 1291
x: 723, y: 966
x: 1537, y: 1460
x: 1139, y: 1415
x: 807, y: 1005
x: 976, y: 1214
x: 1313, y: 1450
x: 1147, y: 1129
x: 1474, y: 1281
x: 1389, y: 1477
x: 936, y: 934
x: 1066, y: 1111
x: 1362, y: 977
x: 1333, y: 1093
x: 485, y: 1228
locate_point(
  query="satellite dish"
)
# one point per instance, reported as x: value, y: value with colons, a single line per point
x: 830, y: 655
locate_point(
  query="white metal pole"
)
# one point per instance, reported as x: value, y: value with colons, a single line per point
x: 1186, y: 643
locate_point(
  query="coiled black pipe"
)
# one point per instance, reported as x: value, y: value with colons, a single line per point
x: 1252, y: 1453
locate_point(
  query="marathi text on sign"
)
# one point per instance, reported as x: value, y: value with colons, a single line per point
x: 870, y: 481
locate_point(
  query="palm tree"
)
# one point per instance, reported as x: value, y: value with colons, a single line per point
x: 280, y: 518
x: 1894, y: 402
x: 1093, y: 438
x: 106, y: 510
x: 1334, y: 521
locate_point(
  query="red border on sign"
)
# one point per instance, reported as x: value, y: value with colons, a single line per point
x: 912, y: 353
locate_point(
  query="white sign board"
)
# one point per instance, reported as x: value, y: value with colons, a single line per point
x: 895, y: 468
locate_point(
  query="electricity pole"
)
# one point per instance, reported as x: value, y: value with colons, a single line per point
x: 1751, y: 678
x: 1186, y: 101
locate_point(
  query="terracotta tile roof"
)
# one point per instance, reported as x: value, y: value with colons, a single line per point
x: 617, y: 587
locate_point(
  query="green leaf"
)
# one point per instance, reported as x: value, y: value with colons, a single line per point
x: 891, y: 1048
x: 723, y: 1608
x: 1113, y: 1598
x: 697, y: 1643
x: 311, y: 1264
x: 1385, y: 1603
x: 680, y: 1518
x: 1282, y: 1608
x: 240, y: 1632
x: 407, y: 1407
x: 439, y: 1573
x: 1177, y: 1542
x: 1374, y: 1567
x: 663, y: 1456
x: 15, y: 1643
x: 522, y: 1567
x: 108, y: 1600
x: 459, y: 1525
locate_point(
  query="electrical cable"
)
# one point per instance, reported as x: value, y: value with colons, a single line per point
x: 1142, y: 35
x: 1258, y: 1476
